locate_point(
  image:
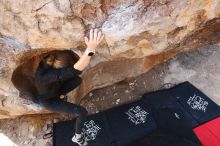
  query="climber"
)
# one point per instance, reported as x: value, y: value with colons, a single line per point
x: 58, y: 73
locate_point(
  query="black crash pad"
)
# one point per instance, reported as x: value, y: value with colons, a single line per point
x: 199, y: 105
x: 162, y: 99
x: 95, y: 128
x: 115, y: 127
x: 124, y: 124
x: 130, y: 122
x: 195, y: 106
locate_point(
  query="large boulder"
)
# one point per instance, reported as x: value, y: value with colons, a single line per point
x: 138, y: 35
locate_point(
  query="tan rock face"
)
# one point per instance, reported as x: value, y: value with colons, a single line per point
x: 138, y: 35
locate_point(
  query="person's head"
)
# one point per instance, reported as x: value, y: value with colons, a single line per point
x: 58, y: 60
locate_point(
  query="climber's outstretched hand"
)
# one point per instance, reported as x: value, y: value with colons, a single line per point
x: 95, y: 37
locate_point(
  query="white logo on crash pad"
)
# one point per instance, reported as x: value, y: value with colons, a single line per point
x: 137, y: 115
x: 90, y: 130
x: 197, y: 102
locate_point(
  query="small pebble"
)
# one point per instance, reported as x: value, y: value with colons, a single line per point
x: 131, y: 84
x: 55, y: 120
x: 90, y: 94
x: 45, y: 127
x: 117, y: 101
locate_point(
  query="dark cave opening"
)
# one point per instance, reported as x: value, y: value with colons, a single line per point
x: 23, y: 77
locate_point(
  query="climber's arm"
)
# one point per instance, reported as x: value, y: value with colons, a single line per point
x: 95, y: 38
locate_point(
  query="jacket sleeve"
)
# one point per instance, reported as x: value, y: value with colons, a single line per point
x: 47, y: 75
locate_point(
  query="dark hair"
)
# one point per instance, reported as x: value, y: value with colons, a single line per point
x: 61, y: 58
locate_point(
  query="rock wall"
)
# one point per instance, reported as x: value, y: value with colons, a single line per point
x: 138, y: 35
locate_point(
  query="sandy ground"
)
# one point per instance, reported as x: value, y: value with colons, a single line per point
x: 200, y: 67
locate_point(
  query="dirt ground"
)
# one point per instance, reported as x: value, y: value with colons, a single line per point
x: 200, y: 67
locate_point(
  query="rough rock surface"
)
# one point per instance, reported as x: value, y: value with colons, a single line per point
x: 199, y: 66
x: 138, y: 35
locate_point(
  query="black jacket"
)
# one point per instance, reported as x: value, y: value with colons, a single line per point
x: 48, y: 80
